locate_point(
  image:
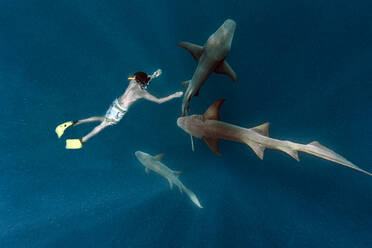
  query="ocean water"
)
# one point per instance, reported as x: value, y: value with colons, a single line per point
x: 304, y: 66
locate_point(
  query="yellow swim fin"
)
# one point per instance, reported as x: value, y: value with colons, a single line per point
x: 61, y: 128
x: 74, y: 143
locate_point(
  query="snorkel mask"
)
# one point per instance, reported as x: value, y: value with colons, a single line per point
x: 144, y: 86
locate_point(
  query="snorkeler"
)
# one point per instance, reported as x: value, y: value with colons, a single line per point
x: 135, y: 91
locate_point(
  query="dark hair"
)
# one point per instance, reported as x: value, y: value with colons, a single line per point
x: 141, y: 77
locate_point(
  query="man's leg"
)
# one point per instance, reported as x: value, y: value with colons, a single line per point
x: 78, y: 143
x: 95, y: 131
x: 60, y: 129
x: 90, y: 119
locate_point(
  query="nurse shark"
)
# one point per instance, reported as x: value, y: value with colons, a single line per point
x: 154, y: 163
x: 209, y: 127
x: 211, y: 58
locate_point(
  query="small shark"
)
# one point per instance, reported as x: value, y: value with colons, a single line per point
x: 211, y: 129
x: 154, y: 163
x: 211, y: 58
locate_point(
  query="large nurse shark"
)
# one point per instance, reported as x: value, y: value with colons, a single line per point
x: 209, y: 127
x: 211, y: 58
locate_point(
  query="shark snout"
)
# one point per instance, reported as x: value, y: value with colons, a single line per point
x: 228, y: 29
x: 181, y: 122
x: 229, y: 25
x: 138, y: 154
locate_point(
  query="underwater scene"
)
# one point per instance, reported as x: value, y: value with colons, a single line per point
x: 186, y: 123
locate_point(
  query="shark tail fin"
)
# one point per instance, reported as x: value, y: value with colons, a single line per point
x: 213, y: 112
x: 192, y: 196
x: 225, y: 68
x: 195, y: 50
x: 330, y: 155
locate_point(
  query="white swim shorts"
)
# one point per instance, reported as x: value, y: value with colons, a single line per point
x: 115, y: 113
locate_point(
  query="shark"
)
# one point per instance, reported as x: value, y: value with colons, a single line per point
x: 211, y: 58
x: 154, y: 163
x: 210, y: 128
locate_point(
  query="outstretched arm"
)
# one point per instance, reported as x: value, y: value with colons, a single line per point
x: 152, y: 98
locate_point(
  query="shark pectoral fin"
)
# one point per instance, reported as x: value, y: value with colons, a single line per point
x: 159, y: 156
x: 177, y: 173
x: 225, y: 68
x: 195, y: 50
x: 147, y: 170
x: 170, y: 183
x: 290, y: 152
x: 213, y: 112
x: 262, y: 129
x: 257, y: 148
x: 186, y: 84
x: 213, y: 145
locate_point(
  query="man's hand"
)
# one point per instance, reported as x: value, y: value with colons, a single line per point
x: 178, y: 94
x: 157, y: 73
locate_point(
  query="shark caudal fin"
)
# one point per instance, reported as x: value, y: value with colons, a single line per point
x: 213, y: 113
x: 316, y: 149
x: 192, y: 196
x: 225, y: 68
x: 195, y: 50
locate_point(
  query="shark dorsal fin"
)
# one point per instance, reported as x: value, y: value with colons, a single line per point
x: 159, y: 156
x: 263, y: 129
x: 225, y: 68
x: 186, y: 84
x: 177, y: 173
x: 213, y: 145
x: 195, y: 50
x: 213, y: 112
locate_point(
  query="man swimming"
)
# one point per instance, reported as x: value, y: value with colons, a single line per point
x: 135, y: 91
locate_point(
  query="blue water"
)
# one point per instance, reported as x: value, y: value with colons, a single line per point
x: 305, y: 66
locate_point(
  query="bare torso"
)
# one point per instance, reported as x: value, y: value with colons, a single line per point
x: 133, y: 93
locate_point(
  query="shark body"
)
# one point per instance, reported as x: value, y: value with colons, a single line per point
x: 211, y: 58
x: 154, y: 163
x: 211, y: 129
